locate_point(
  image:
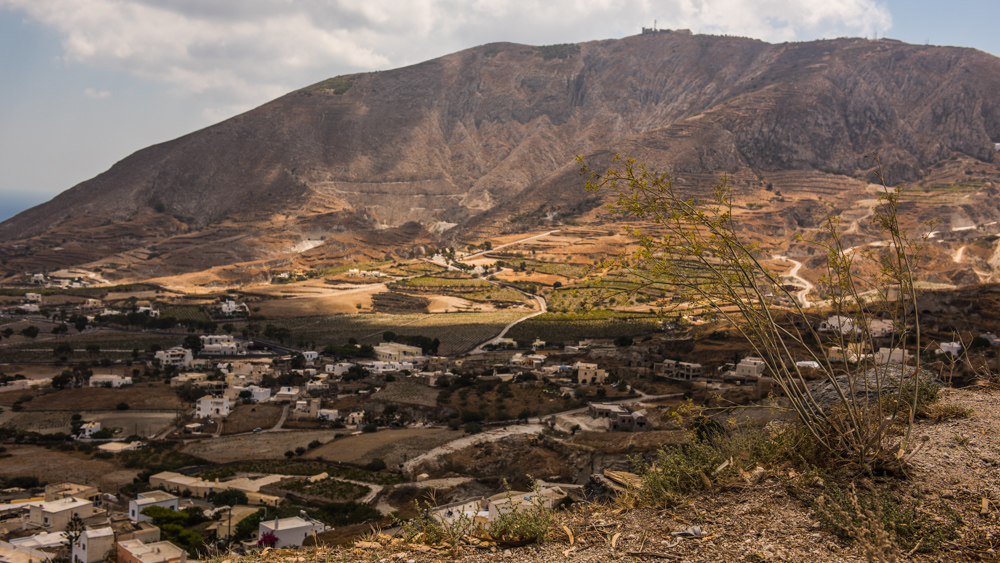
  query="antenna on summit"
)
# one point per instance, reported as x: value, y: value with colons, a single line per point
x: 654, y: 25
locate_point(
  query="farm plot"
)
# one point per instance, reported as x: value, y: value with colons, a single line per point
x: 299, y: 467
x: 245, y: 418
x: 554, y: 328
x: 130, y: 422
x: 264, y: 445
x: 457, y: 332
x: 141, y: 396
x: 328, y: 490
x: 407, y: 392
x: 55, y: 466
x: 182, y: 314
x: 441, y: 284
x: 358, y: 449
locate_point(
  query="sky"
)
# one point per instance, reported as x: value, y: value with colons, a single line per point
x: 85, y: 83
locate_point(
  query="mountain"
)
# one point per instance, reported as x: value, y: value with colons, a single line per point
x: 467, y: 145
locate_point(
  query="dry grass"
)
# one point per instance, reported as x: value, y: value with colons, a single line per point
x: 149, y: 396
x: 356, y: 448
x: 245, y: 418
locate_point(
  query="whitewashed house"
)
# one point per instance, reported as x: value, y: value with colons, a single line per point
x: 290, y: 532
x: 109, y: 380
x: 151, y: 498
x: 212, y: 407
x: 176, y: 356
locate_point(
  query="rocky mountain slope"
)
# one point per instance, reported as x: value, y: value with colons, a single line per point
x: 380, y: 163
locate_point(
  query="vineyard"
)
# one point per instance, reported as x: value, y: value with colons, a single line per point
x: 328, y: 490
x: 186, y: 314
x: 568, y: 328
x: 458, y: 332
x: 439, y: 284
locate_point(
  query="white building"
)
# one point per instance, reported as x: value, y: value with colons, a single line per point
x: 678, y: 370
x: 212, y: 407
x: 222, y: 345
x: 155, y: 313
x: 44, y: 540
x: 355, y: 418
x: 147, y: 499
x: 310, y: 355
x: 257, y: 394
x: 33, y: 298
x: 88, y: 429
x: 339, y: 368
x: 395, y: 352
x: 108, y: 380
x: 750, y: 367
x: 176, y: 356
x: 588, y: 374
x: 290, y: 531
x: 185, y: 378
x: 892, y: 356
x: 839, y: 324
x: 229, y: 307
x: 136, y: 551
x: 286, y: 394
x: 328, y: 414
x: 93, y: 545
x: 953, y: 349
x: 55, y: 515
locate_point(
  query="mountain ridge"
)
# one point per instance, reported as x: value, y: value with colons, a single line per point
x: 478, y: 136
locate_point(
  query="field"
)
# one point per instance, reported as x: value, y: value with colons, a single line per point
x: 458, y: 332
x: 185, y: 314
x: 245, y: 418
x: 265, y: 445
x: 149, y: 396
x: 360, y: 448
x: 114, y: 344
x: 299, y: 467
x: 406, y: 392
x: 330, y: 490
x: 143, y: 423
x: 54, y: 466
x: 568, y: 328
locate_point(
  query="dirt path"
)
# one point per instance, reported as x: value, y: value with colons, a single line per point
x: 281, y: 421
x: 499, y: 246
x: 958, y: 254
x: 543, y: 308
x: 491, y: 435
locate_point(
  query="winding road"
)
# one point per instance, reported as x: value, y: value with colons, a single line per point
x: 794, y: 273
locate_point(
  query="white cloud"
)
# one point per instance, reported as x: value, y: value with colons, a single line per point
x: 96, y: 94
x: 234, y: 54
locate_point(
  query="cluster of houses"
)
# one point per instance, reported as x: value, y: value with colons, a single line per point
x: 48, y: 527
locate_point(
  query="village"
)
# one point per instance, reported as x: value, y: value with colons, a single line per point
x: 256, y: 446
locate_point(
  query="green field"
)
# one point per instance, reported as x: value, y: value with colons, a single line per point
x: 458, y: 332
x: 186, y: 314
x: 568, y: 328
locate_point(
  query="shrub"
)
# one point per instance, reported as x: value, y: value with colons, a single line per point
x: 881, y: 523
x: 377, y: 464
x: 123, y: 406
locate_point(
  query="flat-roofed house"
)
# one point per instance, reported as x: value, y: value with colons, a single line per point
x: 290, y: 531
x: 135, y: 551
x: 55, y: 515
x: 150, y: 498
